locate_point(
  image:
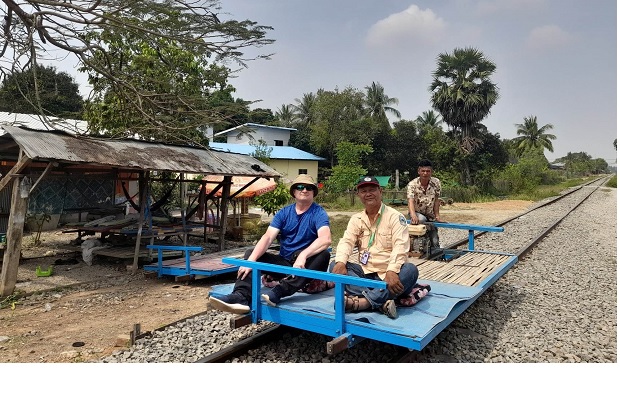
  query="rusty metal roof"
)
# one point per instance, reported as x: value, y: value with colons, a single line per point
x: 130, y: 154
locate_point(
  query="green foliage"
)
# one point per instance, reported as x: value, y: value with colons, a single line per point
x: 262, y: 152
x: 612, y: 182
x: 522, y: 177
x: 166, y: 183
x: 338, y: 116
x: 348, y: 171
x: 177, y: 83
x: 461, y: 194
x: 378, y: 104
x: 463, y: 93
x: 155, y: 66
x: 42, y: 90
x: 273, y: 201
x: 168, y: 84
x: 581, y: 164
x: 392, y: 149
x: 337, y: 226
x: 531, y: 136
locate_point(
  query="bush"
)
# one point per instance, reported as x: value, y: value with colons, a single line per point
x: 273, y: 201
x: 461, y: 194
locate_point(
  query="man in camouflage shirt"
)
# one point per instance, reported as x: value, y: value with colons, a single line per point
x: 423, y: 195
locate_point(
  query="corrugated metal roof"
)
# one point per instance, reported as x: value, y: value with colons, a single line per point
x: 277, y: 152
x: 133, y: 154
x: 43, y: 123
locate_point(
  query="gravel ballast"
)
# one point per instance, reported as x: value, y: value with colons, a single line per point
x: 557, y: 305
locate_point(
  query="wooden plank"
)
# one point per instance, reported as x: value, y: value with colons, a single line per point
x: 17, y: 168
x: 14, y: 235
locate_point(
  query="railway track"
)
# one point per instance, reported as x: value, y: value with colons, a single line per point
x: 531, y: 227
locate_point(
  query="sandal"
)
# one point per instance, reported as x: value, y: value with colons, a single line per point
x: 389, y: 309
x: 351, y: 303
x: 355, y: 303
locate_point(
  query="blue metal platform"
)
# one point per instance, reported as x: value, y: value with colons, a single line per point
x: 457, y: 283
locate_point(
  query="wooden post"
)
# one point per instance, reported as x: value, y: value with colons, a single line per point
x: 224, y: 208
x: 14, y: 235
x: 143, y: 194
x: 397, y: 180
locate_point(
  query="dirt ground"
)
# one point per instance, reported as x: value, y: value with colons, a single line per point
x: 83, y: 313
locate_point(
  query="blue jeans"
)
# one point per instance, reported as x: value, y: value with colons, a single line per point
x: 408, y: 276
x: 317, y: 262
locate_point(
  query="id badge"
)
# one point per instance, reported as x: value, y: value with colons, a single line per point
x: 364, y: 257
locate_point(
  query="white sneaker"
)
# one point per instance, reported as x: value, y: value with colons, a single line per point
x: 235, y: 308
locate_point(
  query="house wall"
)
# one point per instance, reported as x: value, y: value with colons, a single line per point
x: 267, y: 134
x: 290, y: 168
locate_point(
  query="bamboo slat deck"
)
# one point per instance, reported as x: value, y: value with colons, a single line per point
x: 469, y: 269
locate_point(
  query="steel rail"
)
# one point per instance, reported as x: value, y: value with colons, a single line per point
x: 409, y: 356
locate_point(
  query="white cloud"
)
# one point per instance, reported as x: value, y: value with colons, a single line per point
x: 412, y: 24
x: 548, y: 37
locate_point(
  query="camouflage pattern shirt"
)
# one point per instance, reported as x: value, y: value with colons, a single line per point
x: 424, y: 200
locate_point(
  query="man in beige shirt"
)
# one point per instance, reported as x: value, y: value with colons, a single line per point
x: 382, y: 237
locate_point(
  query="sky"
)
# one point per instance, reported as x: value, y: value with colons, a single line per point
x: 555, y: 59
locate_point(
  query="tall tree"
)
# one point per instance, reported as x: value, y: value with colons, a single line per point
x: 378, y: 104
x: 348, y: 171
x: 429, y: 120
x: 463, y: 93
x: 404, y: 147
x: 338, y: 116
x: 262, y: 116
x: 531, y: 136
x: 77, y: 28
x: 182, y: 87
x: 42, y: 91
x: 303, y: 121
x: 285, y: 115
x: 303, y: 109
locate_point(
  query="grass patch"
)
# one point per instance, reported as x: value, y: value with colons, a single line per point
x: 544, y: 191
x: 612, y: 182
x: 337, y: 225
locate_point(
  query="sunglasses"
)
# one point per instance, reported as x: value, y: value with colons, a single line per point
x: 301, y: 187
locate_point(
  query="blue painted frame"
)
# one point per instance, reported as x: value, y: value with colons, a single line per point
x: 175, y: 270
x: 336, y: 325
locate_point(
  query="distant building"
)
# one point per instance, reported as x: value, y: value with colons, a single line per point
x: 253, y: 133
x: 557, y: 165
x: 287, y: 160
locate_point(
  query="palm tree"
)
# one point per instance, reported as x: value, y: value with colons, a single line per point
x: 303, y: 109
x: 463, y: 93
x: 428, y: 121
x: 285, y: 115
x: 533, y: 137
x: 378, y: 103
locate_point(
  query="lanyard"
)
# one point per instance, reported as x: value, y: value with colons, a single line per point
x: 372, y: 235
